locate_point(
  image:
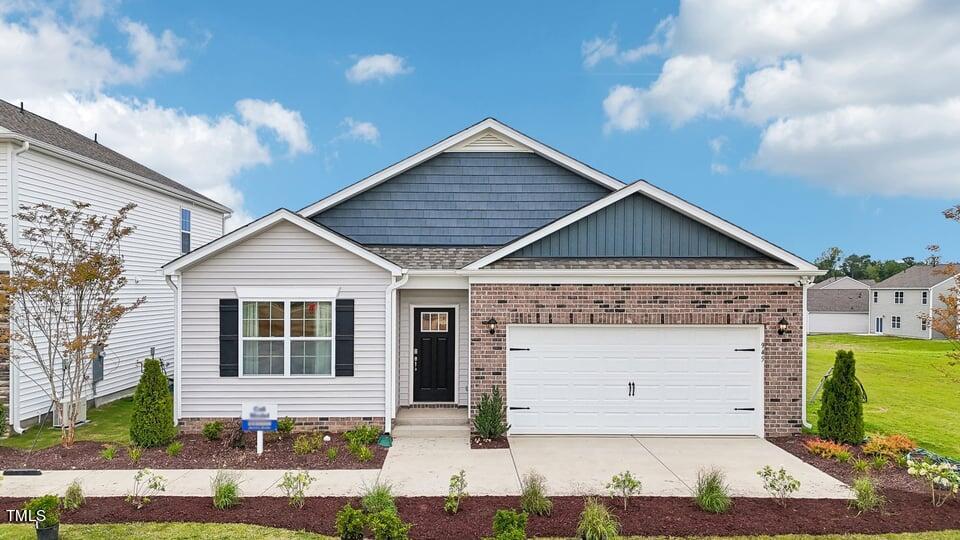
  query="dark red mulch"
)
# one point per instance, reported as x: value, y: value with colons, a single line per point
x: 479, y: 443
x: 672, y: 516
x: 198, y: 453
x: 890, y: 477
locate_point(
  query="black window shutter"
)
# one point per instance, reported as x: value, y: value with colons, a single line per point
x: 229, y: 340
x: 344, y: 336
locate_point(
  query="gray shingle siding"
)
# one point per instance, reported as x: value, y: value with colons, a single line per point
x: 637, y: 227
x: 463, y: 199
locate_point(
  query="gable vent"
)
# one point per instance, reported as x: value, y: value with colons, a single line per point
x: 488, y: 141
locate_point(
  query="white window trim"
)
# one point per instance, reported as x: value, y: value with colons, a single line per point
x: 447, y: 321
x: 895, y: 322
x: 924, y: 297
x: 287, y: 338
x: 189, y: 232
x: 876, y: 297
x: 896, y: 295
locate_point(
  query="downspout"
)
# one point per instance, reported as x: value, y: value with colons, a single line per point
x: 805, y: 284
x: 14, y: 377
x: 389, y: 405
x: 176, y: 347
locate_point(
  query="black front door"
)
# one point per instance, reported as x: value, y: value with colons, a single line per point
x: 433, y: 354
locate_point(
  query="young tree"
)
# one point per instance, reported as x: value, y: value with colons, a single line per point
x: 151, y: 424
x: 944, y: 317
x: 841, y: 408
x: 63, y: 297
x: 829, y: 260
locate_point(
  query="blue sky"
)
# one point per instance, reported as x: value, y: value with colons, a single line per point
x: 700, y: 107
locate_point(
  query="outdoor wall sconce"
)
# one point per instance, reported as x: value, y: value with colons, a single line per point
x: 491, y: 325
x: 782, y: 326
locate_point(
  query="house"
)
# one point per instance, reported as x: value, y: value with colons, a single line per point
x: 844, y: 282
x: 903, y: 304
x: 42, y: 161
x: 838, y: 311
x: 492, y: 260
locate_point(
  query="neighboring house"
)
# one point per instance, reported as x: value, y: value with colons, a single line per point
x: 492, y: 260
x: 844, y: 282
x: 838, y: 311
x: 902, y: 304
x: 41, y: 161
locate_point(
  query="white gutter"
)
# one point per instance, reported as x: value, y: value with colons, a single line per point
x: 14, y: 405
x: 389, y: 402
x: 176, y: 346
x: 805, y: 283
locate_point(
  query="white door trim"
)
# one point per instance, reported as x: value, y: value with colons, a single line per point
x: 456, y: 350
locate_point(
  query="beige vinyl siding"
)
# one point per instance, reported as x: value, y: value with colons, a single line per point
x: 909, y: 312
x: 283, y: 256
x: 427, y: 298
x: 44, y: 178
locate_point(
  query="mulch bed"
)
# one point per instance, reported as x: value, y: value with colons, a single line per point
x: 198, y: 453
x: 890, y: 477
x: 669, y: 516
x: 479, y: 443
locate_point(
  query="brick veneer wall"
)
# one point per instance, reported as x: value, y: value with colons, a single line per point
x: 337, y: 424
x: 648, y: 304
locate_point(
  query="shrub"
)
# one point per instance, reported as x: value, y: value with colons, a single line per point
x: 108, y: 452
x: 596, y: 522
x: 827, y: 449
x: 624, y: 485
x: 49, y: 505
x: 307, y: 443
x: 135, y: 453
x: 387, y: 525
x: 151, y: 424
x: 879, y: 462
x: 456, y: 493
x: 225, y: 488
x: 533, y: 495
x: 145, y: 485
x: 779, y: 484
x: 332, y: 453
x: 349, y: 523
x: 294, y: 486
x: 359, y: 451
x: 362, y: 434
x: 73, y: 498
x: 942, y: 479
x: 174, y: 449
x: 285, y: 426
x: 509, y: 525
x: 711, y: 492
x: 843, y: 456
x: 212, y: 431
x: 490, y: 421
x: 861, y: 465
x: 377, y: 498
x: 235, y: 437
x: 902, y: 461
x: 866, y: 495
x: 841, y: 409
x: 889, y: 446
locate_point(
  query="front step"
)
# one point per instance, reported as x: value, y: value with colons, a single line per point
x: 432, y: 423
x: 431, y: 432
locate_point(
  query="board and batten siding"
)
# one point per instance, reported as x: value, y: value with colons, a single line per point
x: 284, y: 255
x: 636, y: 226
x: 429, y: 298
x: 463, y: 198
x: 44, y: 178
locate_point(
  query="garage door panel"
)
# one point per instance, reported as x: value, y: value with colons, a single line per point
x: 687, y: 380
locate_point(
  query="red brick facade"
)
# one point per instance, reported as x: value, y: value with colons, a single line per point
x: 302, y: 424
x: 648, y: 304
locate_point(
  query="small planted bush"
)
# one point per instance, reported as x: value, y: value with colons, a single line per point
x: 889, y: 446
x: 307, y: 443
x: 509, y: 525
x: 235, y: 436
x: 942, y: 479
x: 387, y: 525
x: 866, y: 495
x: 878, y: 463
x: 151, y: 424
x: 861, y: 465
x: 285, y: 426
x: 456, y: 493
x: 174, y: 449
x: 711, y: 493
x: 779, y: 484
x: 827, y: 449
x: 332, y: 453
x: 349, y: 523
x: 624, y: 485
x: 596, y: 522
x: 490, y: 421
x: 108, y: 452
x: 49, y: 506
x: 212, y: 431
x: 363, y: 434
x: 135, y: 453
x: 377, y: 498
x: 841, y: 409
x: 294, y: 486
x: 225, y: 490
x: 360, y: 452
x: 145, y: 485
x: 73, y: 498
x: 533, y: 495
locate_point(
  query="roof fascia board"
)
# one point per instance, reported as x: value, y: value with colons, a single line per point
x: 110, y: 170
x: 238, y: 235
x: 451, y: 141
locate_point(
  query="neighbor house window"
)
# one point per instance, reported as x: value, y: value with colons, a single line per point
x: 876, y: 296
x: 184, y: 230
x: 898, y: 297
x: 923, y: 297
x: 282, y: 337
x: 923, y: 325
x: 895, y: 321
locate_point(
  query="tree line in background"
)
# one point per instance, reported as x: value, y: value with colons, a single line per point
x: 861, y: 266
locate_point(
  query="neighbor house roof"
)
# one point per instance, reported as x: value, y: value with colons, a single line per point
x: 39, y: 129
x: 837, y: 300
x: 920, y: 276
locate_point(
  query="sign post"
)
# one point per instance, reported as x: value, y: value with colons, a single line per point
x: 259, y: 417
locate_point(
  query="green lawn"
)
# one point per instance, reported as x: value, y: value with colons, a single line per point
x: 906, y: 393
x: 109, y: 423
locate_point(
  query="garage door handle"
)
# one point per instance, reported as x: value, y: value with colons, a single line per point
x: 519, y: 408
x: 518, y: 349
x: 745, y: 350
x: 744, y: 408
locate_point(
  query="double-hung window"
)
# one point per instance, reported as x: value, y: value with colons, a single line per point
x: 924, y: 297
x: 876, y: 296
x: 287, y: 338
x: 895, y: 321
x: 898, y: 297
x: 923, y: 325
x: 184, y: 231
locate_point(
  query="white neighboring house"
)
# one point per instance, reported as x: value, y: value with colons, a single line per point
x: 844, y: 282
x: 42, y: 161
x: 838, y: 311
x: 898, y: 303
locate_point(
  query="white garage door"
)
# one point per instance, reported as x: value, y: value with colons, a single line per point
x: 676, y: 380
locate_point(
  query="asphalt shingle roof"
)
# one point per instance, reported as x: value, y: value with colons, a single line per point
x: 838, y: 300
x: 39, y: 128
x: 432, y: 257
x: 640, y: 264
x: 920, y: 276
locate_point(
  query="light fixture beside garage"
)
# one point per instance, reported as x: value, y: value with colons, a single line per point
x: 491, y: 325
x: 782, y: 326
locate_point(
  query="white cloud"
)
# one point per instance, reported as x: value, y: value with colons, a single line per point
x: 717, y: 146
x: 859, y: 95
x: 378, y: 67
x: 286, y: 124
x: 624, y: 109
x: 152, y: 54
x: 359, y: 131
x: 599, y: 49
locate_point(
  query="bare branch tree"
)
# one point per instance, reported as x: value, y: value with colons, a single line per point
x: 63, y: 297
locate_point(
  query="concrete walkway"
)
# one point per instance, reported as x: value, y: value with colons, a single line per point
x: 667, y: 466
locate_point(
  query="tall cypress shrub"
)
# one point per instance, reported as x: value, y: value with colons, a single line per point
x: 152, y: 422
x: 841, y: 409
